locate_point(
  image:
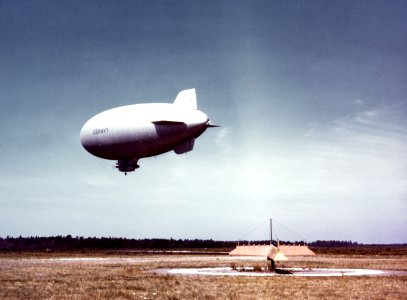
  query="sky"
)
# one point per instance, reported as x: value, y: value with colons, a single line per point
x: 311, y: 97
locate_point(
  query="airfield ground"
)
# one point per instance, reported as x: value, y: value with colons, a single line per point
x: 98, y: 275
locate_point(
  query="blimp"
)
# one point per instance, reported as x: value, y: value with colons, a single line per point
x: 128, y: 133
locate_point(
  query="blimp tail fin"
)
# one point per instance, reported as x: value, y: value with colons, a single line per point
x: 186, y: 99
x: 185, y: 147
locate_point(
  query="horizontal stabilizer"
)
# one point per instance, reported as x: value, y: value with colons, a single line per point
x: 185, y: 147
x: 165, y: 122
x: 186, y: 99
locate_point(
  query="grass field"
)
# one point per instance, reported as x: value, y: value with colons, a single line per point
x: 129, y: 276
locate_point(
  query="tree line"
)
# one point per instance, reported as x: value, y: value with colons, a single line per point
x: 95, y: 243
x: 112, y: 243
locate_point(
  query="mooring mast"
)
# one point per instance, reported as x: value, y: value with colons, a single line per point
x: 271, y: 231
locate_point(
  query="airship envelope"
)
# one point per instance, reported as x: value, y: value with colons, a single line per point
x: 131, y: 132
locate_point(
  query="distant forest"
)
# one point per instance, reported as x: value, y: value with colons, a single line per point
x: 93, y: 243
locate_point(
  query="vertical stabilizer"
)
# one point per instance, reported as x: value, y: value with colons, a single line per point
x: 185, y: 147
x: 186, y: 99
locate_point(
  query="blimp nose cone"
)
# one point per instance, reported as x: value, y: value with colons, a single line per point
x: 84, y: 135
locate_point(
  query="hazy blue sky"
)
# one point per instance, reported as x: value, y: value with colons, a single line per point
x: 311, y: 96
